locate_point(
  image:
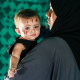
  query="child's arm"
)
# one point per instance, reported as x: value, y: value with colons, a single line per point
x: 15, y: 58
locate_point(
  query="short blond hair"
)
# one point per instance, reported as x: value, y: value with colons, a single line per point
x: 25, y: 13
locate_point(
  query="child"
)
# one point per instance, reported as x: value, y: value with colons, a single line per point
x: 27, y: 24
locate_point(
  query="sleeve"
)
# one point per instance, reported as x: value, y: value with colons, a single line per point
x: 17, y: 40
x: 10, y: 48
x: 28, y: 44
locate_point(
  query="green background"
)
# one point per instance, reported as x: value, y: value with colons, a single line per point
x: 8, y: 8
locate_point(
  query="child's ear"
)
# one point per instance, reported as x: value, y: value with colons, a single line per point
x: 17, y: 31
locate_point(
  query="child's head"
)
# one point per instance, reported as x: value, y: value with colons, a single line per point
x: 27, y: 24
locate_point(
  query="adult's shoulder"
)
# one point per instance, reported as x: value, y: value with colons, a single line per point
x: 56, y: 45
x: 54, y: 41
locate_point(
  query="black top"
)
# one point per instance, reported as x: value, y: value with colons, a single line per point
x: 67, y: 24
x: 27, y: 43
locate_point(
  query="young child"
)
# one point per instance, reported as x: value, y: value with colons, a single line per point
x: 27, y: 24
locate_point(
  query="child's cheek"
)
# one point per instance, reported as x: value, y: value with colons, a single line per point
x: 25, y: 32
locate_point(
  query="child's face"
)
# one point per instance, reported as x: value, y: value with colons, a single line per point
x: 29, y: 28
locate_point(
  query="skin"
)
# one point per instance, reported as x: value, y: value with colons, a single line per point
x: 51, y: 16
x: 29, y: 29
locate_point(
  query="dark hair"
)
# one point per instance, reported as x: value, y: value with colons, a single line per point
x: 26, y: 13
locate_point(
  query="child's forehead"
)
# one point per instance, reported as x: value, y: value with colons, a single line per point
x: 28, y: 21
x: 30, y: 18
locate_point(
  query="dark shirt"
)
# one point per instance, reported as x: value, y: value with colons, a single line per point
x: 27, y: 43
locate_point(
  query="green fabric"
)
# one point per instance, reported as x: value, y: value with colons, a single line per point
x: 8, y: 8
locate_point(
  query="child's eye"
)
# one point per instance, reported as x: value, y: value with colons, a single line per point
x: 27, y: 28
x: 36, y: 26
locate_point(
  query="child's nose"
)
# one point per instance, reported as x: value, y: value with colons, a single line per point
x: 32, y: 30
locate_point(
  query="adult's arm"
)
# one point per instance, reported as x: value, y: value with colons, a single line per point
x: 52, y: 59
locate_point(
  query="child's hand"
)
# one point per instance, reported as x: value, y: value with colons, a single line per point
x: 11, y: 73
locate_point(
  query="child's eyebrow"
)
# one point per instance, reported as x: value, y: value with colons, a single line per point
x: 32, y: 25
x: 36, y: 24
x: 27, y: 25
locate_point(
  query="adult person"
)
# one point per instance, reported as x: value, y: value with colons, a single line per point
x: 52, y: 59
x: 67, y: 24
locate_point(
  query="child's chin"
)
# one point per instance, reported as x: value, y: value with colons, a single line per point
x: 33, y: 38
